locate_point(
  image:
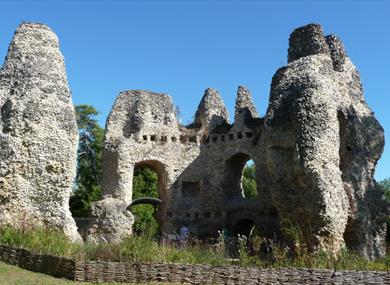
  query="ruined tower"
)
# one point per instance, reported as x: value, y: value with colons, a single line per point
x: 321, y: 145
x: 315, y: 153
x: 38, y: 133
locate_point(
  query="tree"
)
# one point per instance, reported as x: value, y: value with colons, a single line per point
x: 249, y: 181
x: 144, y: 185
x: 89, y: 161
x: 385, y: 185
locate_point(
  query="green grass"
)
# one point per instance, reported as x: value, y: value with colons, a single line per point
x: 146, y: 249
x: 131, y: 249
x: 12, y: 275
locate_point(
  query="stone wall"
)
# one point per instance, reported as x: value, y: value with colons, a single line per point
x: 321, y: 145
x: 315, y: 152
x: 199, y: 166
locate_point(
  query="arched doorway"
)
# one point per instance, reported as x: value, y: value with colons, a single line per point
x: 243, y: 227
x: 240, y: 177
x: 149, y: 180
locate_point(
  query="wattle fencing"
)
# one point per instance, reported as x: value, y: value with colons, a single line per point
x: 96, y: 271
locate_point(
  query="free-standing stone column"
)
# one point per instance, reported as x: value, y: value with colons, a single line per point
x: 38, y: 133
x: 322, y: 143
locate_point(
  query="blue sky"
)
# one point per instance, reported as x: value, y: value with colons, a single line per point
x: 183, y: 47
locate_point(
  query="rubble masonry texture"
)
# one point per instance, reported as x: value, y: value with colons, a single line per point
x: 38, y: 133
x: 315, y: 151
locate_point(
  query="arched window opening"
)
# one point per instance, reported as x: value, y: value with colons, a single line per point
x: 240, y: 177
x: 248, y: 180
x: 145, y: 184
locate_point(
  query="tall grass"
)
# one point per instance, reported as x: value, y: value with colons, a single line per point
x: 41, y: 240
x: 147, y: 249
x: 131, y: 249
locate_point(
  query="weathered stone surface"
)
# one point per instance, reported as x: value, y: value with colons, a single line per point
x: 141, y: 130
x: 321, y: 144
x: 245, y: 110
x: 38, y: 133
x: 315, y: 153
x: 199, y: 167
x: 111, y: 215
x: 211, y: 110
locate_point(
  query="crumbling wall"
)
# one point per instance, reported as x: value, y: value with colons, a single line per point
x: 322, y: 143
x: 38, y: 133
x: 190, y: 161
x: 315, y: 151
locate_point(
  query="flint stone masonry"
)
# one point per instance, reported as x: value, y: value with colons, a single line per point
x: 315, y: 152
x: 321, y: 143
x: 38, y: 133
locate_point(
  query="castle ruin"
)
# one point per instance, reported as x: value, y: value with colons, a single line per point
x: 315, y: 152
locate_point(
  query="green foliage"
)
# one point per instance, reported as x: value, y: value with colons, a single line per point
x: 144, y: 185
x: 385, y: 185
x: 89, y: 162
x: 132, y: 249
x: 249, y: 181
x: 40, y: 240
x: 146, y: 249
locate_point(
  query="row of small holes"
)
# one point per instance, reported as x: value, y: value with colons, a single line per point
x: 206, y: 215
x: 214, y: 139
x: 183, y: 139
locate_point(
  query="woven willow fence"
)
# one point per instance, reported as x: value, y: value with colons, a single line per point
x: 95, y: 271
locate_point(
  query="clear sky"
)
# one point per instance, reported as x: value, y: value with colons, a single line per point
x: 183, y: 47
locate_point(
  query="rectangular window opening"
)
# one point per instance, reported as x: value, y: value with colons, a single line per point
x: 249, y: 134
x: 190, y: 189
x: 183, y: 139
x: 193, y: 139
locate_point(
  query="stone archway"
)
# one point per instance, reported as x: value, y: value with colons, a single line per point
x: 234, y: 171
x: 243, y: 227
x: 162, y: 184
